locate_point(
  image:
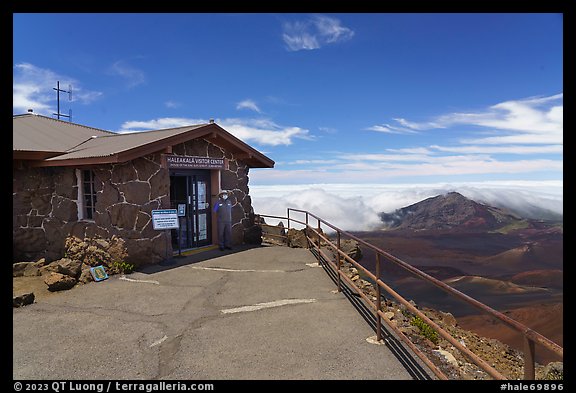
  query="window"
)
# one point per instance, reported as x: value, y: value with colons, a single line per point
x: 89, y: 194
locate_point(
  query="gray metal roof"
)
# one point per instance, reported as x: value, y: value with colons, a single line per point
x: 40, y: 133
x: 108, y: 145
x: 54, y: 142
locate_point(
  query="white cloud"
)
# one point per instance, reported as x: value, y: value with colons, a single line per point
x: 172, y: 104
x: 330, y: 29
x: 248, y: 104
x: 261, y: 131
x: 314, y: 33
x: 370, y: 168
x: 526, y: 138
x: 328, y: 130
x: 535, y: 120
x: 132, y: 75
x: 264, y: 132
x: 507, y: 149
x: 531, y: 127
x: 33, y: 88
x: 389, y: 129
x: 418, y: 126
x: 158, y: 124
x: 315, y: 162
x: 411, y: 150
x: 357, y: 206
x: 351, y: 213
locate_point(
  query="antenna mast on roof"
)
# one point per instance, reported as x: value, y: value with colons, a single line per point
x: 58, y: 90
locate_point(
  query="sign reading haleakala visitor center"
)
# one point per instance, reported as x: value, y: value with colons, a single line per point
x: 193, y: 162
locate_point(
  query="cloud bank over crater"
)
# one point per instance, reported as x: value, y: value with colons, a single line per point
x: 356, y: 207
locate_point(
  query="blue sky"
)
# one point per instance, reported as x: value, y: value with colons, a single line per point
x: 381, y: 99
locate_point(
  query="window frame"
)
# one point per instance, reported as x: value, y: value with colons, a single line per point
x: 87, y: 194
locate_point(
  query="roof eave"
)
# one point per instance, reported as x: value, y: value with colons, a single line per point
x: 34, y: 155
x: 112, y: 159
x: 212, y: 132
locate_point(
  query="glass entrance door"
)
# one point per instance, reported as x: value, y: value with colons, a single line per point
x: 190, y: 195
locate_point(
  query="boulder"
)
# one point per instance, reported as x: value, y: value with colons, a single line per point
x: 85, y: 275
x: 23, y: 299
x: 311, y: 233
x: 448, y: 357
x: 409, y: 330
x: 27, y: 269
x: 448, y: 318
x: 554, y: 371
x: 271, y: 234
x: 389, y: 315
x: 18, y: 268
x: 297, y: 239
x: 65, y: 266
x: 70, y: 267
x: 351, y: 248
x: 59, y: 282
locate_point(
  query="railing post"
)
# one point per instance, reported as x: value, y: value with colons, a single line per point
x: 338, y: 260
x: 318, y: 245
x: 378, y: 300
x: 529, y: 371
x: 288, y: 215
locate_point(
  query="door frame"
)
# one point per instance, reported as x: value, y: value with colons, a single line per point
x: 191, y: 219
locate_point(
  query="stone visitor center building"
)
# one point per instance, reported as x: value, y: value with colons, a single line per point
x: 70, y: 179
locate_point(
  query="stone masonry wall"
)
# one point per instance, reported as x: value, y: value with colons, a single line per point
x: 45, y: 209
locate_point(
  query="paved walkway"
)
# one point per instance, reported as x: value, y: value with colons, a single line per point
x: 259, y: 313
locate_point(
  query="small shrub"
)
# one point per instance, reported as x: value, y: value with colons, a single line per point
x: 121, y: 267
x: 425, y: 329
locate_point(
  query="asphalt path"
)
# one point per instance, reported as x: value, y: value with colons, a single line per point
x: 265, y: 313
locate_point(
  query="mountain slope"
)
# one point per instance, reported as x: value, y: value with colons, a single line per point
x: 451, y: 211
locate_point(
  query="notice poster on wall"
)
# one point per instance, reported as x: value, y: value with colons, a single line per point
x: 165, y: 219
x: 202, y: 195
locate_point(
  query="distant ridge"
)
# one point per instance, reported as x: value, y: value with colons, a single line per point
x: 451, y: 211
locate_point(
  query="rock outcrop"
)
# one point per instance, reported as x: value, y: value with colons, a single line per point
x: 23, y: 299
x: 65, y: 273
x: 59, y: 282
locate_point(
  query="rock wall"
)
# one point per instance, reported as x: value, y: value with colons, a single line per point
x: 44, y: 208
x: 45, y: 205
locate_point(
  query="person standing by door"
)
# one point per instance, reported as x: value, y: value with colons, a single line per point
x: 223, y: 208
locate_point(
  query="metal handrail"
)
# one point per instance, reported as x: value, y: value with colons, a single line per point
x: 531, y: 337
